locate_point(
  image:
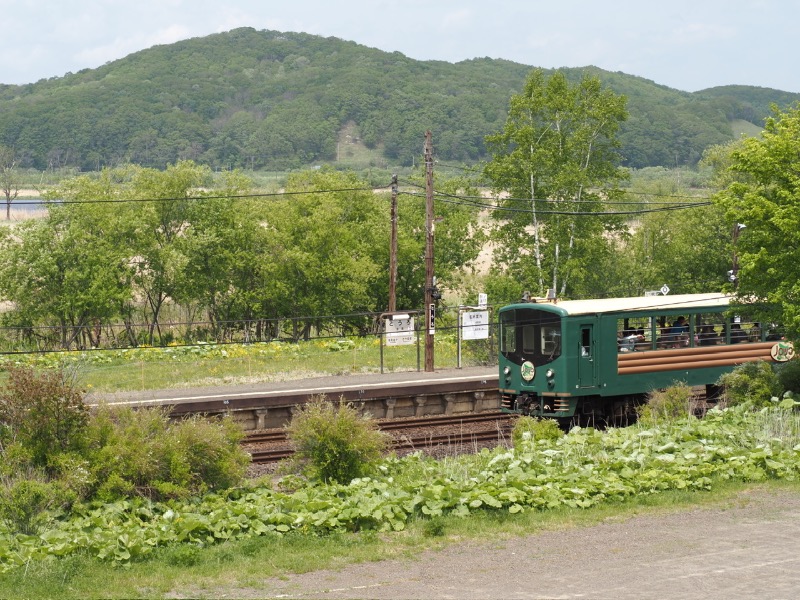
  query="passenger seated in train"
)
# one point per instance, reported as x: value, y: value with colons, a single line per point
x: 676, y: 335
x: 754, y: 335
x: 707, y: 336
x: 738, y: 335
x: 642, y: 343
x: 774, y: 334
x: 630, y: 340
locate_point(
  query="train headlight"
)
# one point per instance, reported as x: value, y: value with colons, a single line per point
x: 507, y: 371
x: 550, y: 373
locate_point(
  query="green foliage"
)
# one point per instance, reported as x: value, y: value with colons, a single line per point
x: 144, y: 453
x: 333, y: 443
x: 789, y: 375
x: 579, y: 470
x: 532, y: 429
x: 764, y: 195
x: 103, y: 275
x: 672, y: 404
x: 54, y: 453
x: 752, y: 383
x: 42, y: 412
x: 24, y: 502
x: 689, y: 250
x: 558, y: 146
x: 434, y: 527
x: 254, y: 99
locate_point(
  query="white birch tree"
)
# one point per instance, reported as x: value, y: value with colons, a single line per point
x: 556, y: 160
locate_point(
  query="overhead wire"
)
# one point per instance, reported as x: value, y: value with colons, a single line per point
x: 471, y: 201
x: 198, y: 198
x: 478, y: 202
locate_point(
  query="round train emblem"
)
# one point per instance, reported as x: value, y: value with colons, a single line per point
x: 782, y: 351
x: 527, y: 370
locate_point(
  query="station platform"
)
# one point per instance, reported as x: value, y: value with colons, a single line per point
x: 267, y: 404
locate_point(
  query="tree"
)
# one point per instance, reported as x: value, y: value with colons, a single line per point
x: 9, y: 180
x: 159, y: 228
x: 327, y: 233
x: 231, y: 257
x: 557, y: 148
x: 766, y: 199
x: 66, y: 269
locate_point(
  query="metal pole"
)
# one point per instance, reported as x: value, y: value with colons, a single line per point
x: 737, y: 229
x: 382, y: 338
x: 393, y: 250
x: 429, y: 305
x: 458, y: 338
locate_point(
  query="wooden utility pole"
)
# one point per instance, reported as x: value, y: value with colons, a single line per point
x: 393, y: 250
x: 430, y: 307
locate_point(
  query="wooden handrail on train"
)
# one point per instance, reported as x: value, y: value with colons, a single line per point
x: 699, y: 357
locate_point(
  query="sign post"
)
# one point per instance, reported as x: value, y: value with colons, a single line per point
x: 473, y: 325
x: 398, y: 330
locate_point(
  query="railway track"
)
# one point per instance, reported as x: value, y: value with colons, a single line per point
x: 279, y: 435
x: 416, y: 439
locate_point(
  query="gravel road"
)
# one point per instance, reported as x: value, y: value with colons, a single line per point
x: 748, y: 549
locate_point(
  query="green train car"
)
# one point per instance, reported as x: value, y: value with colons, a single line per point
x: 594, y: 361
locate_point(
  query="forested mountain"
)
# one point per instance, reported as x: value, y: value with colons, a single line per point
x: 266, y: 99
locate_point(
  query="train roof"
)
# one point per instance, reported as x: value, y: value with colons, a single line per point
x: 685, y: 302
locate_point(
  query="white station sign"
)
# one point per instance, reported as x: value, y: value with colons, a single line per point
x: 475, y: 325
x: 399, y: 330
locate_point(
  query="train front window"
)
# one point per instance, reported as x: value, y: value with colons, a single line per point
x: 530, y: 334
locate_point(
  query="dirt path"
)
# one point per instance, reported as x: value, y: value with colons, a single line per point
x: 748, y: 550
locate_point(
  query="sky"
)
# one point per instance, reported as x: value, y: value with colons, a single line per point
x: 683, y: 44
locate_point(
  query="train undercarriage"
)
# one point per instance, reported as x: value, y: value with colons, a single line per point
x: 583, y: 411
x: 596, y: 410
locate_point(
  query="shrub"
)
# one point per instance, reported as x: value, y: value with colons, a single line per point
x: 751, y: 383
x: 789, y: 375
x: 670, y: 404
x: 434, y: 527
x: 144, y: 453
x: 333, y: 443
x: 25, y: 500
x: 44, y: 413
x: 532, y: 428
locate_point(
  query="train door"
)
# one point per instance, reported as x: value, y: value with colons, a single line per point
x: 587, y: 365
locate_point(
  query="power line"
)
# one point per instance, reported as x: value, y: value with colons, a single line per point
x: 651, y: 194
x: 196, y: 198
x: 467, y: 201
x: 557, y: 201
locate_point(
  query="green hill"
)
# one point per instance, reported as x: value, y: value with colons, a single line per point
x: 272, y: 100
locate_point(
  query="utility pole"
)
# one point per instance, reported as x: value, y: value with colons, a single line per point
x: 430, y: 307
x: 733, y: 274
x: 393, y: 250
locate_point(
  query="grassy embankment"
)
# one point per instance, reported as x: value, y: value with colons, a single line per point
x: 184, y: 571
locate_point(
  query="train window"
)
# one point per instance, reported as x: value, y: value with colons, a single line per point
x: 530, y: 334
x: 744, y: 330
x: 508, y: 338
x: 551, y: 339
x: 773, y: 333
x: 529, y: 339
x: 634, y: 334
x: 673, y: 331
x: 709, y: 329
